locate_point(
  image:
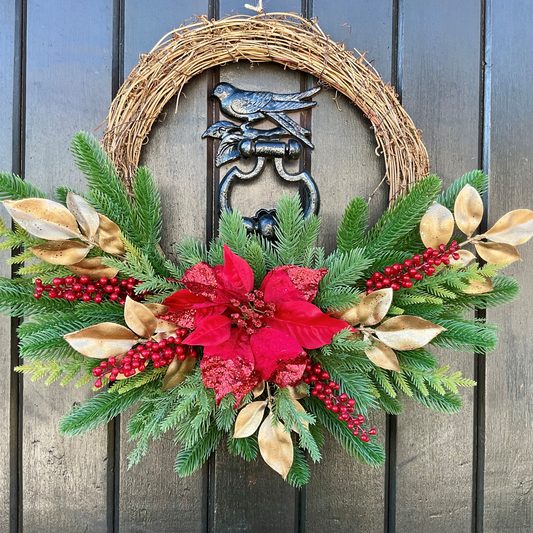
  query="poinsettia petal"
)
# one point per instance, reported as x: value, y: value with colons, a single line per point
x: 236, y: 274
x: 229, y: 375
x: 201, y: 280
x: 306, y: 323
x: 278, y: 287
x: 184, y: 299
x: 237, y: 345
x: 270, y: 347
x: 211, y: 330
x: 290, y: 373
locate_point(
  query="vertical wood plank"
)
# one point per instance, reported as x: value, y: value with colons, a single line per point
x: 508, y: 495
x: 251, y: 496
x: 152, y: 497
x: 7, y: 66
x: 68, y: 89
x: 441, y: 93
x: 345, y: 165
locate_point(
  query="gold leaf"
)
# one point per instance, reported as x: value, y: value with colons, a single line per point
x: 297, y: 392
x: 497, y: 253
x: 407, y: 332
x: 43, y: 218
x: 139, y: 318
x: 109, y: 236
x: 157, y: 309
x: 177, y: 371
x: 259, y: 389
x: 166, y: 328
x: 93, y: 268
x: 468, y: 210
x: 102, y: 341
x: 436, y: 226
x: 275, y: 445
x: 371, y: 310
x: 383, y: 356
x: 516, y: 227
x: 249, y: 419
x: 84, y: 213
x: 299, y: 407
x: 61, y: 252
x: 465, y: 258
x: 479, y: 287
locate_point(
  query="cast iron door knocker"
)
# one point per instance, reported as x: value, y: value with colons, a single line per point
x: 245, y: 141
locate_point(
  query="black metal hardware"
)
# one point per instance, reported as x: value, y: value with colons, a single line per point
x: 244, y: 141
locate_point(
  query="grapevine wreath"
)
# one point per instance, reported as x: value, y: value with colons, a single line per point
x: 265, y: 344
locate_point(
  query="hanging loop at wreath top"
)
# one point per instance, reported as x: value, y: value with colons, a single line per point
x: 244, y: 141
x: 287, y: 39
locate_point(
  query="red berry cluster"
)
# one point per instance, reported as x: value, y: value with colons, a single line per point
x: 72, y: 288
x: 339, y: 404
x: 397, y: 276
x: 160, y: 353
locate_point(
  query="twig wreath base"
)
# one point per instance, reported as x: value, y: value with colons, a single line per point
x: 290, y: 40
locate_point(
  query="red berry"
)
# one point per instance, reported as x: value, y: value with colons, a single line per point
x: 98, y: 383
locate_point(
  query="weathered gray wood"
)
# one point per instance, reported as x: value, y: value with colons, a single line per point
x: 68, y: 89
x: 240, y: 488
x: 152, y: 498
x: 7, y: 55
x: 344, y: 164
x: 441, y: 93
x: 509, y: 396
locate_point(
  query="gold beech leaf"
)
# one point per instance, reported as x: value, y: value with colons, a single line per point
x: 139, y: 318
x: 109, y: 236
x: 44, y: 219
x: 407, y: 332
x: 249, y: 419
x: 165, y: 327
x: 436, y: 226
x: 61, y: 252
x: 497, y: 253
x: 275, y: 445
x: 259, y: 389
x: 177, y: 372
x: 516, y: 227
x: 297, y: 392
x: 84, y: 213
x: 102, y: 341
x: 383, y: 356
x: 93, y: 268
x: 371, y: 309
x: 298, y: 407
x: 468, y: 210
x: 479, y: 287
x: 157, y: 309
x: 465, y: 258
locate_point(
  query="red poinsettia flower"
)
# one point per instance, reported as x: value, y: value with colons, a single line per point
x: 248, y: 335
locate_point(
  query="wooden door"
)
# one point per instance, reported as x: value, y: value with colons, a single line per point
x: 462, y: 71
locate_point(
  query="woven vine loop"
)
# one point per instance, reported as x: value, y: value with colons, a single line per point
x: 290, y: 40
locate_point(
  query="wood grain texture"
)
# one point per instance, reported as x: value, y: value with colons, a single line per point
x: 509, y: 392
x: 68, y: 89
x: 344, y: 165
x: 251, y: 496
x: 7, y: 56
x: 152, y: 497
x: 441, y: 93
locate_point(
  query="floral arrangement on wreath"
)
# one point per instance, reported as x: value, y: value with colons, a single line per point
x: 265, y: 345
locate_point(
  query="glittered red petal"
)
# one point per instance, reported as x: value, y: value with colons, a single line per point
x: 214, y: 329
x: 306, y: 323
x: 270, y: 347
